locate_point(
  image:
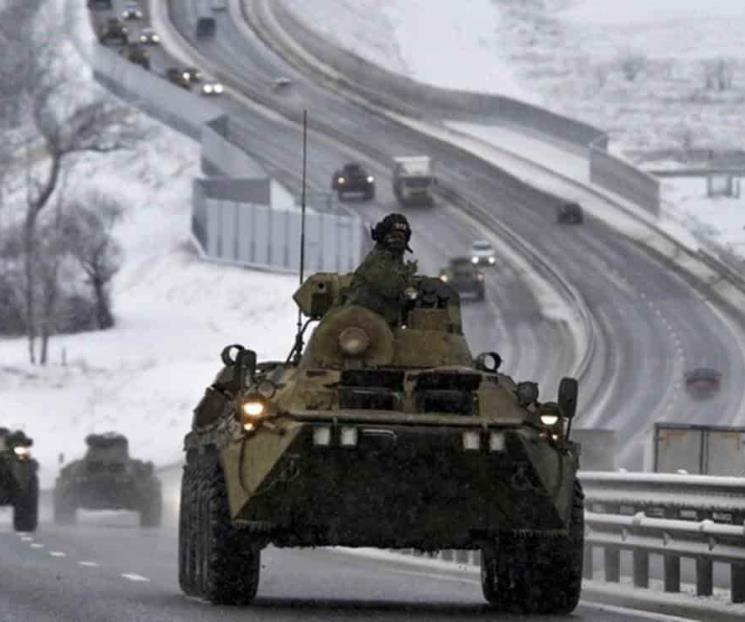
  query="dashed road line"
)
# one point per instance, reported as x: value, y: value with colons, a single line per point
x: 26, y: 539
x: 86, y: 564
x: 57, y: 554
x: 37, y: 545
x: 134, y: 577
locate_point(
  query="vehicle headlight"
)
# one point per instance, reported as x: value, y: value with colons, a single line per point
x: 124, y: 30
x: 492, y: 260
x: 354, y: 341
x: 207, y: 88
x: 549, y: 419
x: 186, y: 75
x: 22, y: 451
x: 218, y: 88
x: 156, y: 38
x: 370, y: 179
x: 444, y: 278
x: 474, y: 260
x: 341, y: 180
x: 143, y: 39
x: 253, y: 410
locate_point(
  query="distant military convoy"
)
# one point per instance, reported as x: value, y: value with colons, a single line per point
x: 107, y: 478
x: 384, y: 431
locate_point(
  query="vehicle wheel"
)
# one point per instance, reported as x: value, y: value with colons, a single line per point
x: 26, y: 507
x: 187, y: 533
x: 536, y: 575
x: 65, y: 512
x: 152, y: 510
x: 231, y: 555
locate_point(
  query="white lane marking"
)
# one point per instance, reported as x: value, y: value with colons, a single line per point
x: 37, y: 545
x: 88, y: 564
x: 134, y: 577
x: 440, y: 577
x: 648, y: 615
x: 57, y: 554
x: 26, y: 539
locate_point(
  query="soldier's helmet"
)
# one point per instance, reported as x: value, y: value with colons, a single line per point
x: 393, y: 231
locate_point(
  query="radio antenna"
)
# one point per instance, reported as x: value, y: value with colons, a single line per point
x: 298, y: 347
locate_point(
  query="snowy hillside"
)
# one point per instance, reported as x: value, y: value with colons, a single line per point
x: 174, y: 313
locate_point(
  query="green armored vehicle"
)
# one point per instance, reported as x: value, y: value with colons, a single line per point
x: 108, y: 479
x: 19, y: 480
x: 384, y: 432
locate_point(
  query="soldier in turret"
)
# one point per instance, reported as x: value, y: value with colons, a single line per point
x: 381, y: 279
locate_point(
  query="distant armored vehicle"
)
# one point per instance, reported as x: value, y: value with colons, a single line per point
x: 464, y: 277
x: 384, y: 432
x: 569, y: 213
x: 702, y: 382
x: 148, y: 36
x: 136, y: 54
x: 108, y: 479
x: 353, y: 178
x: 179, y: 77
x: 113, y: 32
x: 413, y: 180
x: 19, y: 481
x: 482, y: 253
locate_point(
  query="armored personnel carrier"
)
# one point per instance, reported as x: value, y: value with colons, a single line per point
x: 383, y: 434
x: 19, y: 480
x: 108, y: 479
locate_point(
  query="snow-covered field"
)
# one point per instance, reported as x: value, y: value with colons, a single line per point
x: 637, y: 69
x: 174, y: 313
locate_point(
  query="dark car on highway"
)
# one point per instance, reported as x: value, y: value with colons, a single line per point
x: 353, y: 178
x: 569, y: 213
x: 464, y: 277
x: 702, y: 382
x: 113, y: 32
x: 179, y: 77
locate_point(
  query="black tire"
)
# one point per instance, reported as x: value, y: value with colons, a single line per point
x: 152, y: 510
x: 65, y: 512
x: 26, y: 507
x: 187, y: 534
x: 231, y: 557
x: 536, y: 575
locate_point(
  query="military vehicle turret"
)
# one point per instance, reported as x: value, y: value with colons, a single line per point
x: 108, y: 479
x: 385, y: 434
x: 19, y: 480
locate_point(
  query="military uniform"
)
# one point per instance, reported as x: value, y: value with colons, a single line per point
x: 379, y: 282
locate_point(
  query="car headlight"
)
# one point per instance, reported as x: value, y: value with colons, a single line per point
x: 370, y: 179
x: 22, y: 451
x: 353, y: 341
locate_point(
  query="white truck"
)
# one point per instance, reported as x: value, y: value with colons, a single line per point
x: 413, y: 180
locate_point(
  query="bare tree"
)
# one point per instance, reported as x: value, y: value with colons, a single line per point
x: 89, y: 229
x: 632, y: 64
x: 719, y: 73
x: 60, y: 123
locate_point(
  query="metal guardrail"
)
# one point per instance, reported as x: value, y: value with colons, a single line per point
x: 698, y: 517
